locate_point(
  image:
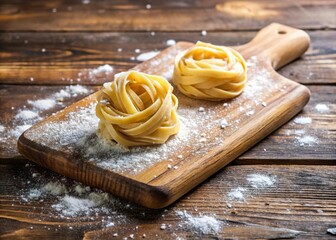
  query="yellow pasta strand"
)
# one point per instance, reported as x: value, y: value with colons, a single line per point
x: 137, y: 109
x: 210, y: 72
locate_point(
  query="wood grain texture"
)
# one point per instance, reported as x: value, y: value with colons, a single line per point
x: 306, y: 211
x: 304, y: 199
x: 156, y: 186
x: 164, y: 16
x: 70, y: 54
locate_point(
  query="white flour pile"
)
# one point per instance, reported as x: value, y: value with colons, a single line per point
x: 75, y: 201
x: 26, y: 115
x: 19, y: 130
x: 260, y: 180
x: 2, y: 128
x: 331, y: 231
x: 303, y: 136
x: 201, y: 224
x: 237, y: 194
x: 100, y: 72
x: 170, y: 42
x: 322, y: 108
x: 303, y: 120
x: 43, y: 104
x: 147, y: 55
x: 29, y: 115
x: 257, y: 181
x: 71, y: 91
x: 73, y: 206
x: 306, y: 140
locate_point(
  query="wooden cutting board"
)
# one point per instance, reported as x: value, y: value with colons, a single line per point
x: 212, y: 133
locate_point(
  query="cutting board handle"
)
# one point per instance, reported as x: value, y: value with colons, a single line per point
x: 280, y: 44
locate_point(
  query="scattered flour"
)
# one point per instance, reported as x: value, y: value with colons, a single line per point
x: 224, y: 123
x: 62, y: 94
x: 73, y: 206
x: 80, y: 190
x: 26, y: 114
x: 171, y: 42
x: 261, y: 180
x: 322, y: 108
x: 101, y: 71
x: 34, y: 194
x: 71, y: 91
x: 147, y: 55
x: 303, y: 137
x: 77, y: 90
x: 331, y: 231
x: 257, y: 181
x: 202, y: 224
x: 250, y: 113
x: 303, y: 120
x: 2, y: 128
x: 201, y: 109
x: 237, y: 194
x: 299, y: 131
x: 78, y: 200
x: 18, y: 130
x: 306, y: 140
x: 55, y: 188
x: 25, y: 118
x: 43, y: 104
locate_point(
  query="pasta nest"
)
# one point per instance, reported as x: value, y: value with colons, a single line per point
x: 210, y: 72
x: 137, y: 109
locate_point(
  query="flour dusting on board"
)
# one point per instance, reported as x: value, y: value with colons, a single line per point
x: 76, y: 134
x: 147, y: 55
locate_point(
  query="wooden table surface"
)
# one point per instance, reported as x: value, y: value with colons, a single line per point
x: 48, y: 45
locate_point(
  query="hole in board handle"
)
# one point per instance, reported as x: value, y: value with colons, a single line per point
x: 282, y: 32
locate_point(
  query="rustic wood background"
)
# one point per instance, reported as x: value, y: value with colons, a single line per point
x: 83, y: 35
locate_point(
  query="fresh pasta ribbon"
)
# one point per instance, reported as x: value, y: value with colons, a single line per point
x: 137, y: 109
x: 210, y: 72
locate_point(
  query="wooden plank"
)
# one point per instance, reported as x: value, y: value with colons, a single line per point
x: 284, y: 140
x: 188, y: 16
x: 289, y: 142
x: 306, y: 211
x: 69, y: 56
x: 271, y: 99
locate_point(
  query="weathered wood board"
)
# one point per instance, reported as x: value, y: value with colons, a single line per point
x: 156, y: 176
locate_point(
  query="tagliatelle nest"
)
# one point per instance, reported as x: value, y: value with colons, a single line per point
x: 137, y: 109
x: 210, y: 72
